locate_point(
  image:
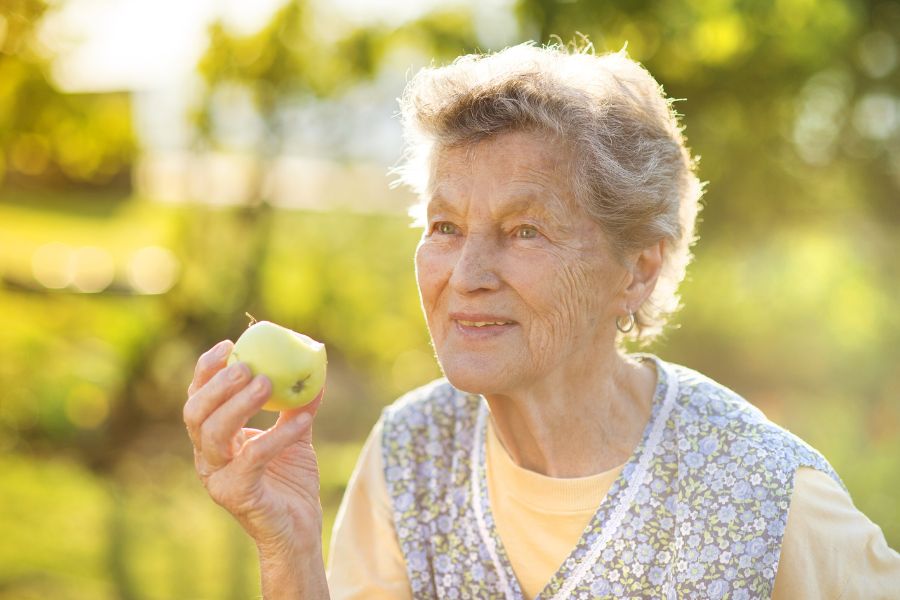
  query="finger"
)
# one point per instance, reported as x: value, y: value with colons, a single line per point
x: 312, y: 408
x: 204, y: 469
x: 224, y: 384
x: 209, y: 363
x: 259, y: 450
x: 219, y: 432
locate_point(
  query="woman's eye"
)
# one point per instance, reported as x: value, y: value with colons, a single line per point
x: 445, y: 228
x: 526, y: 232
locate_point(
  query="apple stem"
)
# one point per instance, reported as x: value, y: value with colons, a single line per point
x: 252, y: 319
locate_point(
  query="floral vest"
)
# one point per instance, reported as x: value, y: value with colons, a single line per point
x: 698, y: 511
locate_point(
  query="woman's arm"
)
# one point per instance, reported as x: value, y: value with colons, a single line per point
x: 268, y: 480
x: 832, y: 550
x: 292, y: 575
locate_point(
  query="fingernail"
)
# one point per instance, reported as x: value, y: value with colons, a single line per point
x: 221, y: 349
x: 258, y: 385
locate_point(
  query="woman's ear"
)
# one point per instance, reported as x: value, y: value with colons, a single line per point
x: 645, y: 268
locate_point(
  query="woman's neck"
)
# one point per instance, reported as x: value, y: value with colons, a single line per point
x: 574, y: 426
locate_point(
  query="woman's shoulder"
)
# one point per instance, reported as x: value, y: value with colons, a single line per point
x: 700, y: 398
x: 709, y: 408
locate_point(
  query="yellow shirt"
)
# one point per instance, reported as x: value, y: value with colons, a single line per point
x: 830, y: 549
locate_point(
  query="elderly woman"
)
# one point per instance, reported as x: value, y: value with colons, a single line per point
x: 558, y: 204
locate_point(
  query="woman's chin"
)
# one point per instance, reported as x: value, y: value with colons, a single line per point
x: 479, y: 379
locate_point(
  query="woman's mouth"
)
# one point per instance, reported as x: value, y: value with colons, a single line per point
x: 482, y: 323
x: 481, y: 326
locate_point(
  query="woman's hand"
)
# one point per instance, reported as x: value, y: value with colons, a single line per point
x: 269, y: 480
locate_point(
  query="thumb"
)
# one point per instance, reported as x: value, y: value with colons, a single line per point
x: 261, y: 449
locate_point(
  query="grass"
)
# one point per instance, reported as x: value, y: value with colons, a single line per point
x: 70, y: 535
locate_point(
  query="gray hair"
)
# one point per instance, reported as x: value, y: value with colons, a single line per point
x: 630, y: 168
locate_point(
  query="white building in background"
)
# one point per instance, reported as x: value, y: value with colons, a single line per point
x: 290, y: 182
x: 334, y: 155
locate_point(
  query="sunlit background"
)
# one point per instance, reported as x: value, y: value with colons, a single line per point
x: 167, y: 166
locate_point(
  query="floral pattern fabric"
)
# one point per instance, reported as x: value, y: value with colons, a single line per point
x: 699, y: 509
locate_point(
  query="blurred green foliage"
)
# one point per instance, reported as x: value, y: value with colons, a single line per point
x: 792, y: 105
x: 49, y: 138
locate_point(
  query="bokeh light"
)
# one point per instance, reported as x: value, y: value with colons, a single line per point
x: 53, y: 265
x: 94, y: 269
x: 153, y: 270
x: 876, y: 116
x: 878, y: 53
x: 820, y: 110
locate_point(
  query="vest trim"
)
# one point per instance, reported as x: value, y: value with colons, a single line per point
x: 477, y: 461
x: 637, y: 479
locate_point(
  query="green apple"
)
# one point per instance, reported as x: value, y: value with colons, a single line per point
x: 293, y: 362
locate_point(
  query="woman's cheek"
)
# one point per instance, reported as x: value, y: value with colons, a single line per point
x: 431, y: 267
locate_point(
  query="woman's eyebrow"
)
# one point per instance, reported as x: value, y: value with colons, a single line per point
x: 534, y: 203
x: 526, y: 201
x: 521, y: 203
x: 437, y: 204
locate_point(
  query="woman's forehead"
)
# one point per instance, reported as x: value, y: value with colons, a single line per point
x: 515, y: 150
x: 517, y: 170
x: 546, y: 205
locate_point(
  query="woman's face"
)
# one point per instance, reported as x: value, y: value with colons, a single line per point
x: 517, y: 282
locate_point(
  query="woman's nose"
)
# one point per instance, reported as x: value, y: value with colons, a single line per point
x: 476, y: 266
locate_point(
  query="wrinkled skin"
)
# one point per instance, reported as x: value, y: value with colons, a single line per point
x: 269, y: 480
x: 505, y: 237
